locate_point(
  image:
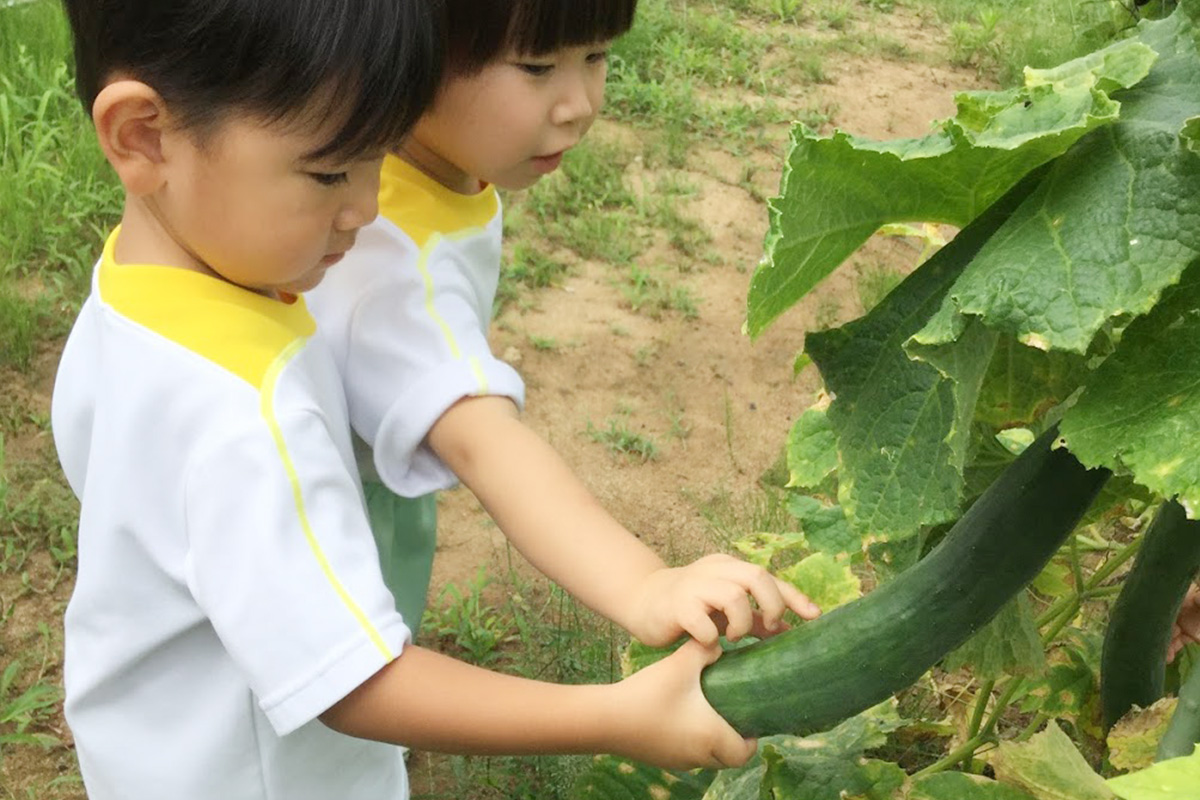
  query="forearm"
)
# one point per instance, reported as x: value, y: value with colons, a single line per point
x: 543, y: 508
x: 432, y: 702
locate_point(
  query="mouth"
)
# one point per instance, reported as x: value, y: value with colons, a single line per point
x: 547, y: 164
x: 332, y: 258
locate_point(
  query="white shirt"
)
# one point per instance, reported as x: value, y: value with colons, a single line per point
x: 406, y: 314
x: 228, y: 589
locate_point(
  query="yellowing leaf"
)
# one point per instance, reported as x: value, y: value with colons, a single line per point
x: 1135, y: 737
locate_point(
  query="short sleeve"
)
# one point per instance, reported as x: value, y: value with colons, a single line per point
x: 282, y: 562
x: 417, y: 344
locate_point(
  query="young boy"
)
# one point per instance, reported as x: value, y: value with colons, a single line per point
x: 407, y: 317
x: 230, y: 635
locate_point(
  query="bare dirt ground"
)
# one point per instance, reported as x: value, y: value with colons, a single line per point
x: 734, y: 399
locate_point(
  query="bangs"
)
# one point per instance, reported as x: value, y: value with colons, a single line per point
x: 386, y: 68
x: 483, y: 31
x: 374, y: 65
x: 539, y: 26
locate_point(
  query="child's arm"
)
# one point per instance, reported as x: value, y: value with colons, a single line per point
x: 432, y: 702
x: 562, y: 529
x: 1187, y: 624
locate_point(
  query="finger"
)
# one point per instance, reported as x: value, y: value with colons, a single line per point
x: 734, y: 751
x: 700, y: 626
x: 761, y: 630
x: 704, y: 654
x: 767, y: 592
x: 798, y: 601
x: 739, y: 616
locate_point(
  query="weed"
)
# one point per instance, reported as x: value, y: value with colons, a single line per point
x: 837, y: 17
x: 467, y: 623
x: 525, y: 268
x: 678, y: 427
x: 787, y: 10
x: 18, y: 329
x: 58, y: 194
x: 544, y: 344
x: 645, y: 291
x: 23, y: 710
x: 622, y: 441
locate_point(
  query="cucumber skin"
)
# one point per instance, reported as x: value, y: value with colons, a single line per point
x: 812, y: 677
x: 1133, y: 661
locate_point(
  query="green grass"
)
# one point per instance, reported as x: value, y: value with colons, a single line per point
x: 621, y: 440
x: 58, y: 196
x: 1001, y: 38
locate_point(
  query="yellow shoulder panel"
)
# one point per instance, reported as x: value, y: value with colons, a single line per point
x: 421, y: 207
x: 240, y: 330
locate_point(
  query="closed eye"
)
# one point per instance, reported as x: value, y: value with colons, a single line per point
x: 537, y: 70
x: 329, y: 178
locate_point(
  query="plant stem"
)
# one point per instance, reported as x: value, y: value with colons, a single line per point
x: 966, y: 750
x: 981, y: 700
x: 1072, y: 602
x: 1038, y: 720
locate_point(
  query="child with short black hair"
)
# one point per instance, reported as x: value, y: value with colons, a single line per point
x: 230, y: 634
x: 407, y: 317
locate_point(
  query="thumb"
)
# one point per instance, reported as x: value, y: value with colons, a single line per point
x: 699, y: 652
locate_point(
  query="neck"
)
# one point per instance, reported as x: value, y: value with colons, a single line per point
x: 439, y: 169
x: 147, y: 237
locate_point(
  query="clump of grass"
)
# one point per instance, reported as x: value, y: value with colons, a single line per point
x: 586, y: 205
x: 646, y: 292
x: 526, y: 267
x: 58, y: 195
x: 622, y: 441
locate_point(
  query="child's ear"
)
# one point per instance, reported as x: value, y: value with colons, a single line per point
x: 131, y: 120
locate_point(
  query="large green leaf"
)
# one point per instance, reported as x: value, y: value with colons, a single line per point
x: 1022, y: 383
x: 837, y: 191
x: 613, y: 778
x: 902, y: 426
x: 958, y: 786
x: 825, y: 766
x: 1141, y: 408
x: 1115, y: 222
x: 825, y: 527
x: 1174, y: 779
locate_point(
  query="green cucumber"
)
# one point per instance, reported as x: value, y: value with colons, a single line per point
x: 1134, y: 659
x: 819, y: 673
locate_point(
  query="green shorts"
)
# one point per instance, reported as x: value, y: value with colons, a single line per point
x: 406, y: 536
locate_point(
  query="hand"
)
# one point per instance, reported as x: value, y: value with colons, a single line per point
x: 712, y: 596
x: 1187, y: 624
x: 660, y: 716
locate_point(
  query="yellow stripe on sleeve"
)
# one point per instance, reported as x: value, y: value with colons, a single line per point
x: 268, y: 412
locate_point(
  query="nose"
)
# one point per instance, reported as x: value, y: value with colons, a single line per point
x: 362, y: 202
x: 581, y: 99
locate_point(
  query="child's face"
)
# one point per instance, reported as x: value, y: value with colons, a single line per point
x: 510, y: 123
x: 248, y: 205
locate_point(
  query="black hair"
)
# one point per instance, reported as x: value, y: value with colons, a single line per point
x: 374, y: 64
x: 479, y: 30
